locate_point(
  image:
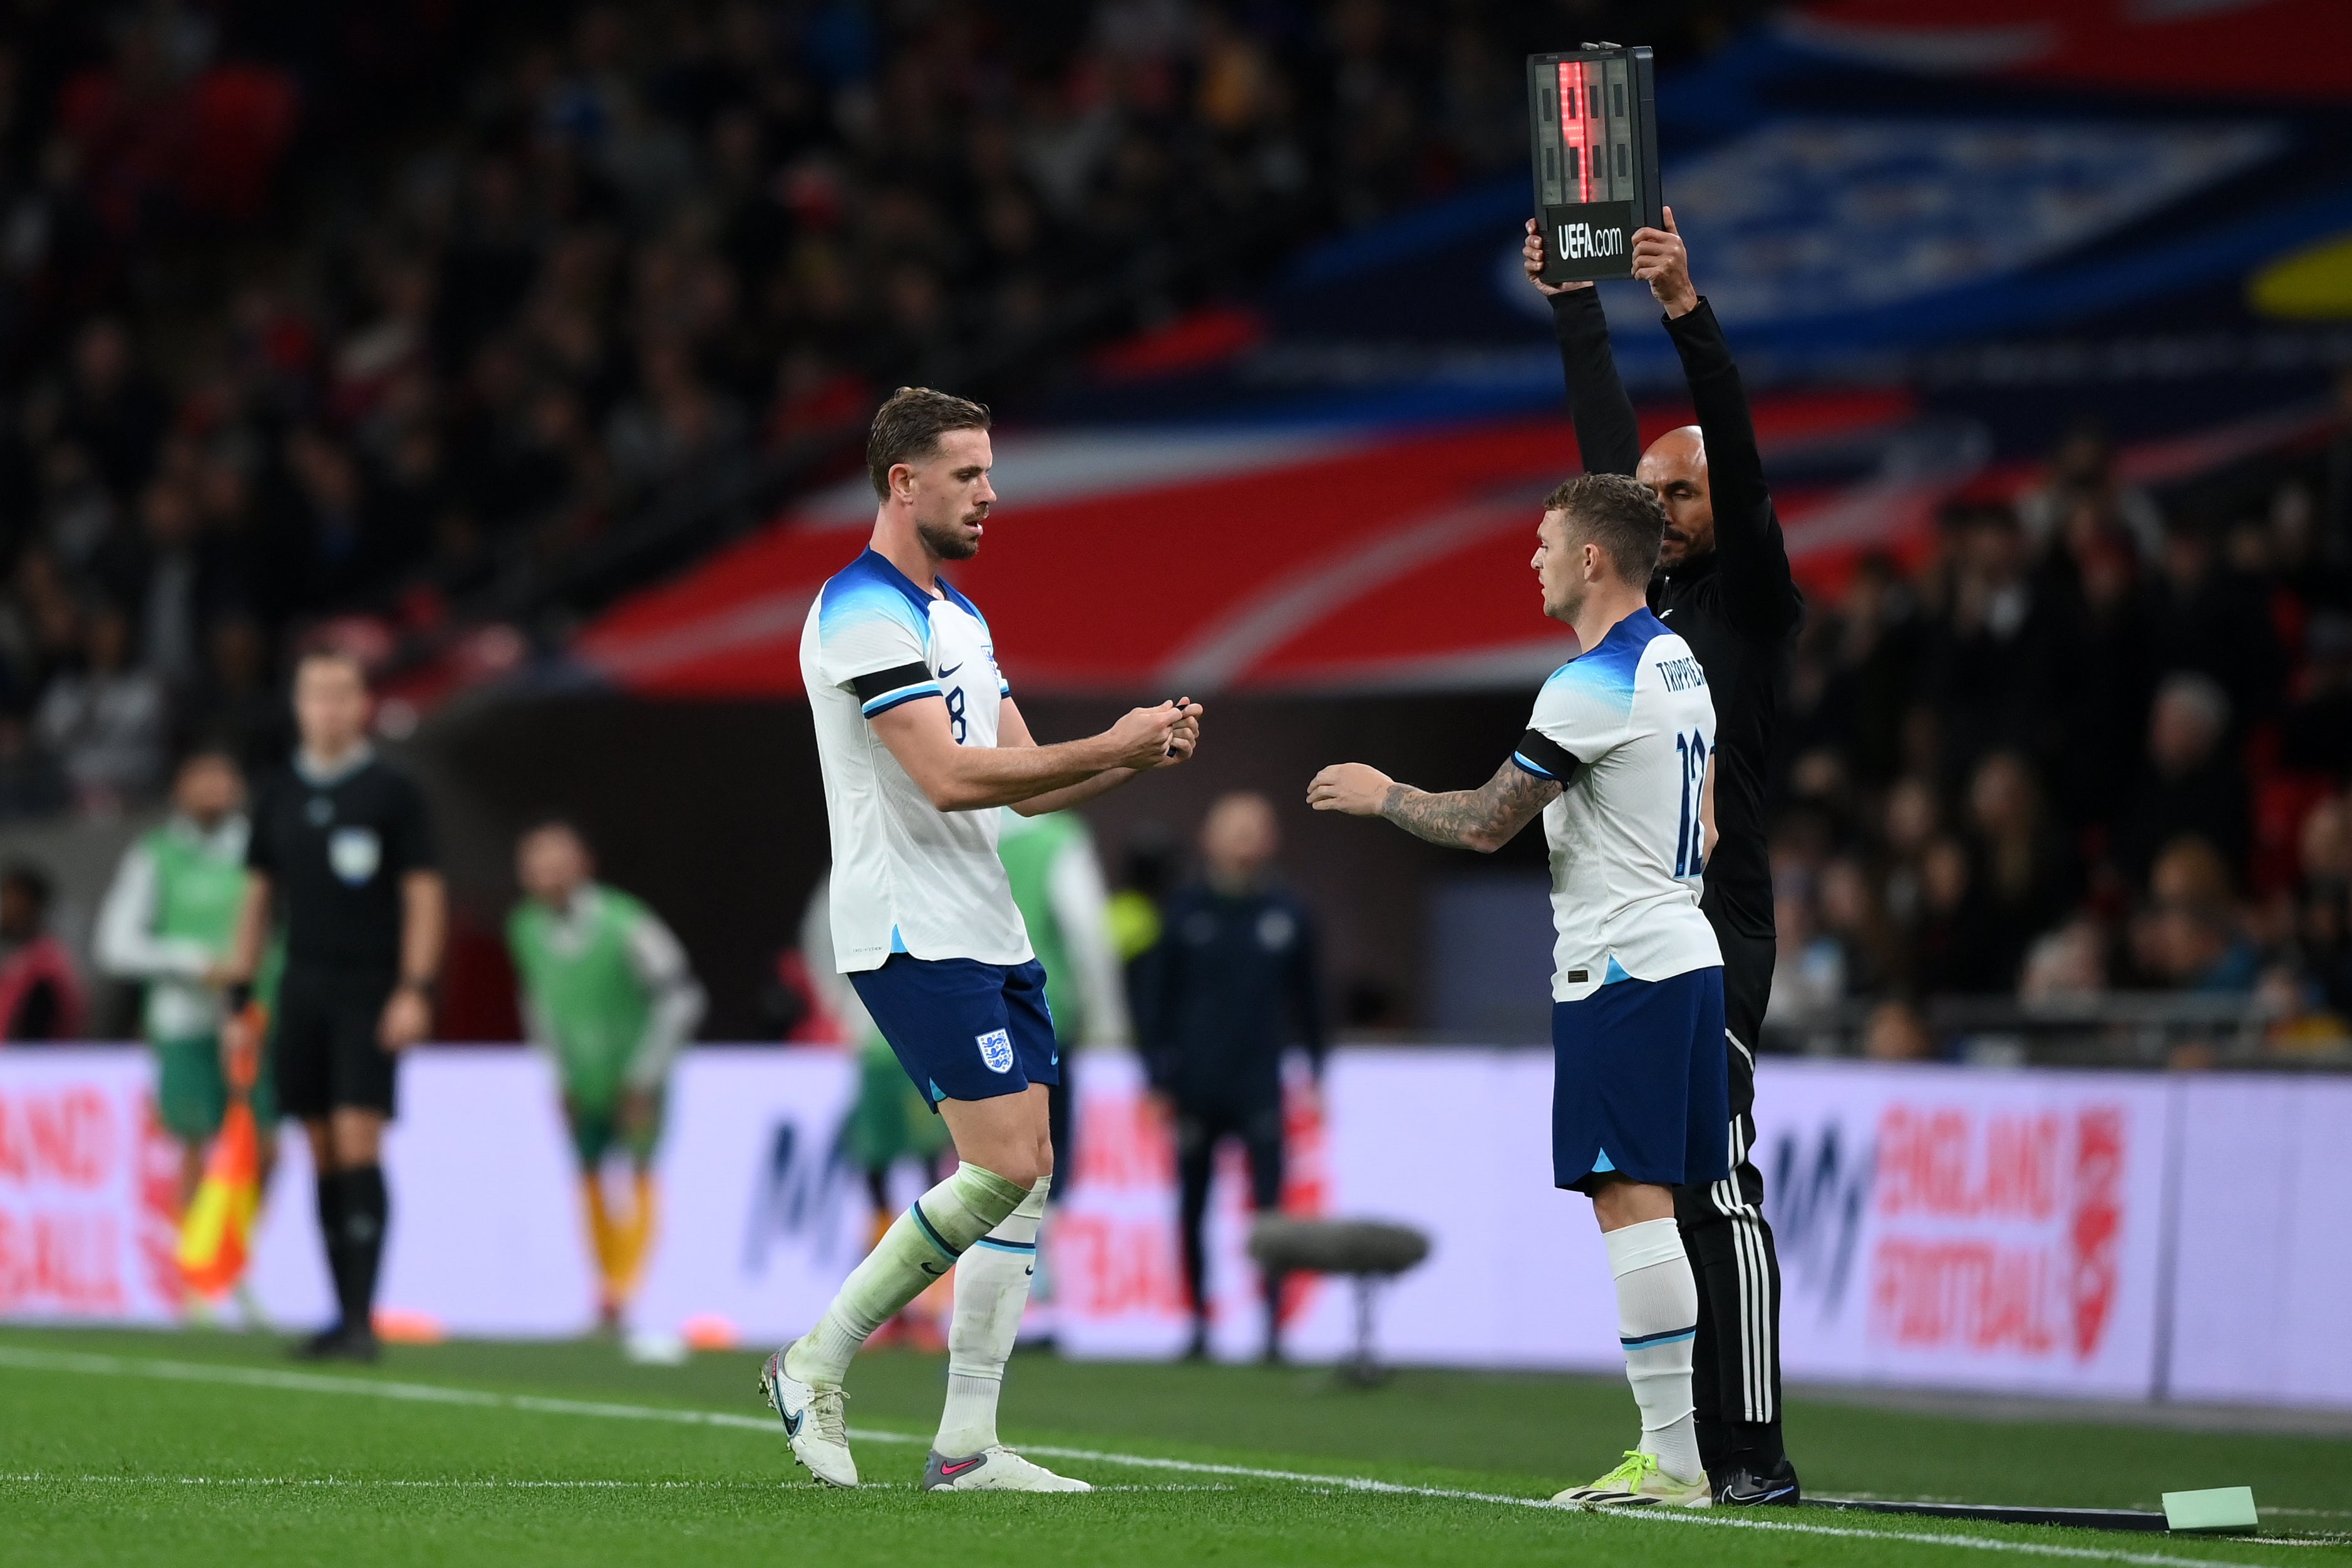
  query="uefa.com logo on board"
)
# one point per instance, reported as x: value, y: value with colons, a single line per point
x: 1967, y: 1231
x: 1583, y: 241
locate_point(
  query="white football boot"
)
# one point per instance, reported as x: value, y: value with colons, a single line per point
x: 996, y: 1469
x: 814, y: 1422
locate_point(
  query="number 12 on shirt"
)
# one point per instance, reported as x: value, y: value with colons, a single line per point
x: 1690, y: 842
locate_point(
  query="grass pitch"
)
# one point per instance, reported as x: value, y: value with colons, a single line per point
x: 208, y: 1448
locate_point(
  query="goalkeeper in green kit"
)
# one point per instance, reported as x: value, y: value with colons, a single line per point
x: 167, y: 923
x: 607, y: 995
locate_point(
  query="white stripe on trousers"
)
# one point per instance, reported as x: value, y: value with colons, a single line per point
x: 1755, y: 1281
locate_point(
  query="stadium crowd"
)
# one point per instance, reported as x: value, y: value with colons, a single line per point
x: 2083, y: 743
x: 628, y: 244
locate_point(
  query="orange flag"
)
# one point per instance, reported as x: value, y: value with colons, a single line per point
x: 216, y: 1233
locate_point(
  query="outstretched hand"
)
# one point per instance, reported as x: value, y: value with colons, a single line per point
x: 1661, y: 260
x: 1354, y: 789
x: 1531, y: 257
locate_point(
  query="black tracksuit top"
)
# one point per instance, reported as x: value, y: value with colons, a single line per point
x: 1737, y: 606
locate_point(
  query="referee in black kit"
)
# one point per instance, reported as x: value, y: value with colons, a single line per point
x: 343, y: 855
x: 1723, y: 584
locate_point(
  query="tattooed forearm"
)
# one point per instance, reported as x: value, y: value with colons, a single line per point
x: 1484, y: 819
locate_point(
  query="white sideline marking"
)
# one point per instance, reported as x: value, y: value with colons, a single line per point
x: 435, y: 1482
x: 487, y: 1484
x: 438, y: 1393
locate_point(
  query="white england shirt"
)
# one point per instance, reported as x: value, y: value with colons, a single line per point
x: 907, y: 877
x: 1626, y: 727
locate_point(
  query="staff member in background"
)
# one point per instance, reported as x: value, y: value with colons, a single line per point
x: 168, y: 923
x: 342, y: 852
x: 607, y: 995
x: 1237, y: 980
x: 40, y: 993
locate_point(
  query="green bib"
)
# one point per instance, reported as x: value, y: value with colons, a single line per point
x: 1029, y: 846
x: 198, y: 893
x: 579, y: 978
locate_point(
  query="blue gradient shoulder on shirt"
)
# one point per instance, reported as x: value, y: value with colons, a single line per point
x: 871, y: 588
x: 955, y: 597
x: 1606, y: 669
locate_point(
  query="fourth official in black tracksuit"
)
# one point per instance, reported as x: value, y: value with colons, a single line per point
x: 1739, y: 608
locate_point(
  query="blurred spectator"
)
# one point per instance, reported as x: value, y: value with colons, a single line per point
x: 237, y: 706
x: 2104, y: 695
x: 1896, y: 1033
x: 2082, y: 480
x: 1878, y: 657
x: 1808, y: 972
x: 1910, y: 826
x: 2019, y: 868
x: 2194, y: 787
x: 2188, y: 937
x: 40, y: 993
x: 1954, y: 947
x: 2204, y: 616
x: 2065, y: 964
x: 106, y: 721
x: 1851, y: 919
x: 2315, y: 732
x: 1989, y: 656
x: 2322, y: 934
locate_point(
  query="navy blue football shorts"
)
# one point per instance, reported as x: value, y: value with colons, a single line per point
x: 1641, y: 1083
x: 961, y: 1028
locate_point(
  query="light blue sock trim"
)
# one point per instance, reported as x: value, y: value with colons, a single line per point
x: 1649, y: 1341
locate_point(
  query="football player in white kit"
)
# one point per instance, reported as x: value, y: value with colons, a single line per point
x: 1615, y: 759
x: 920, y: 743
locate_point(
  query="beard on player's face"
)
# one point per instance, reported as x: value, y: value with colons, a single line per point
x: 951, y: 540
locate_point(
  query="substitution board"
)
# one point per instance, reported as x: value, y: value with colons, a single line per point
x: 1592, y: 122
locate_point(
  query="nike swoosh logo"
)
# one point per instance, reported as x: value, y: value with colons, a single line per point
x: 950, y: 671
x: 933, y: 1269
x: 793, y: 1424
x: 1665, y: 615
x: 958, y: 1470
x: 1031, y: 1270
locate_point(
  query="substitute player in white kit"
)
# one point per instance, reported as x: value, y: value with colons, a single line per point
x: 921, y: 742
x: 1616, y: 760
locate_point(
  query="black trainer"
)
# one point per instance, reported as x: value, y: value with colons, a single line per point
x: 319, y: 1346
x: 1747, y: 1484
x: 338, y: 1344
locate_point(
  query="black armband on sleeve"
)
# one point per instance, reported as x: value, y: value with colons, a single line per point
x: 1546, y: 758
x: 886, y: 688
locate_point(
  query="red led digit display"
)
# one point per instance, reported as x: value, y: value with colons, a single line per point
x: 1572, y: 124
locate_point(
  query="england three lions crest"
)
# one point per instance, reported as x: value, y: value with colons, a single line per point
x: 996, y: 1051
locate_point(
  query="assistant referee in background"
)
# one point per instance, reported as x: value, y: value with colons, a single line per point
x: 342, y: 854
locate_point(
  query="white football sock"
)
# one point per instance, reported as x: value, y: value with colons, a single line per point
x: 920, y: 1244
x: 992, y: 1287
x: 1657, y: 1317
